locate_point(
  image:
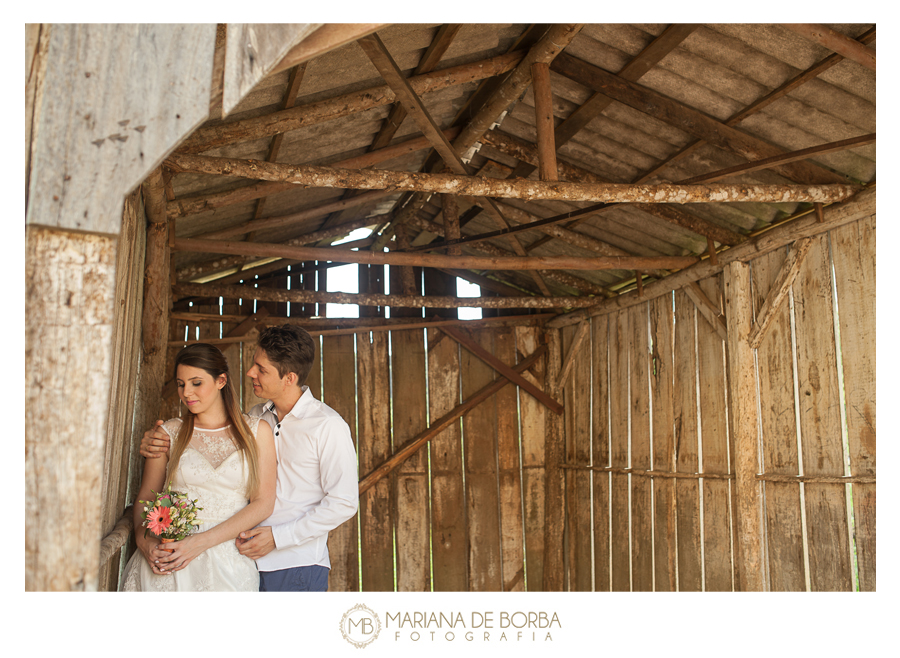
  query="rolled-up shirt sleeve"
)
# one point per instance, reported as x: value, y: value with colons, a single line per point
x: 340, y: 485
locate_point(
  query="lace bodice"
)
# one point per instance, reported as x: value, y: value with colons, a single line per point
x: 212, y: 470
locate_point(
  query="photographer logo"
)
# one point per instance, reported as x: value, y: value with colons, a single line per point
x: 360, y: 626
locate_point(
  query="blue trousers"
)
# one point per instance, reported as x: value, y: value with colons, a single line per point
x: 312, y: 578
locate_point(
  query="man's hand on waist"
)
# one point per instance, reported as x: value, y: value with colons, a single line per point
x: 256, y: 542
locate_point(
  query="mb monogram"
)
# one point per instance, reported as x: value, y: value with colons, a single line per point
x: 360, y: 625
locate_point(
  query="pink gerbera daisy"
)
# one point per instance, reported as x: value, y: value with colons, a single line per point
x: 158, y: 520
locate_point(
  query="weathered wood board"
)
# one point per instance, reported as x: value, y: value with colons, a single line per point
x: 853, y: 252
x: 531, y: 421
x: 661, y: 392
x: 480, y: 444
x: 509, y: 473
x: 70, y: 285
x: 132, y: 92
x: 641, y: 513
x: 375, y: 507
x: 778, y: 422
x: 820, y: 422
x: 577, y: 395
x: 125, y: 359
x: 339, y: 393
x: 412, y: 520
x: 687, y: 491
x: 449, y: 538
x: 718, y: 569
x: 600, y: 387
x: 619, y: 334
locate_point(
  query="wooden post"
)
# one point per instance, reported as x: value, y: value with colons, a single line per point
x: 80, y: 172
x: 70, y: 286
x: 543, y: 120
x: 742, y: 393
x: 451, y: 222
x: 554, y: 527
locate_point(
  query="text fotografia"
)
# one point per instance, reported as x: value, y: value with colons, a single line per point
x: 479, y: 626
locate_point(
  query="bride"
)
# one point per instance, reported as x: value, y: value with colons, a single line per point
x: 222, y: 458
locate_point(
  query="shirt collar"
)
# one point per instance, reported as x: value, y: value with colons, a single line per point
x: 297, y: 411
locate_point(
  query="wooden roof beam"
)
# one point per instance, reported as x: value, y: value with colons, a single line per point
x: 283, y: 221
x: 404, y: 259
x: 688, y: 119
x: 649, y: 57
x: 545, y: 50
x: 439, y: 45
x: 375, y: 299
x: 526, y: 152
x: 775, y: 160
x: 755, y: 107
x: 565, y: 278
x: 300, y: 116
x: 398, y: 113
x: 290, y: 97
x: 476, y: 186
x: 381, y: 58
x: 835, y: 41
x: 859, y: 207
x: 205, y: 202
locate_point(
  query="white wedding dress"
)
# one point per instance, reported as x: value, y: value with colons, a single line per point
x: 211, y: 471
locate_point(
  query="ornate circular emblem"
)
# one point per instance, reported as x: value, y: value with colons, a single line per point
x: 360, y: 626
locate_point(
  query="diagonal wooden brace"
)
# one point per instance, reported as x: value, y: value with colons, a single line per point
x: 780, y: 289
x: 503, y: 369
x: 442, y: 423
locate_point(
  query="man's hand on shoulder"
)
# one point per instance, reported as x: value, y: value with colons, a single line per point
x: 155, y: 442
x: 256, y: 543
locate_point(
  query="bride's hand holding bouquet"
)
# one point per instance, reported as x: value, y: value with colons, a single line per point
x: 172, y: 517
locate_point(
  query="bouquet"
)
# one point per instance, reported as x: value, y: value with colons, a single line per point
x: 171, y: 516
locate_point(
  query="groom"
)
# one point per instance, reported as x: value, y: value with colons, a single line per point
x: 317, y: 487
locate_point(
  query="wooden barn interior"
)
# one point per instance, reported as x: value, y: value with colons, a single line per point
x: 664, y: 382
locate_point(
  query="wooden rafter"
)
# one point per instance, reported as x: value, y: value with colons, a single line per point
x: 566, y: 278
x: 545, y: 50
x: 689, y: 120
x: 374, y: 299
x: 397, y: 113
x: 283, y: 221
x: 290, y: 96
x: 649, y: 57
x: 314, y: 176
x: 526, y: 152
x: 834, y: 40
x: 543, y: 121
x: 793, y: 156
x: 439, y: 45
x: 405, y: 259
x: 340, y: 106
x: 863, y: 205
x: 381, y: 58
x: 755, y: 107
x: 187, y: 206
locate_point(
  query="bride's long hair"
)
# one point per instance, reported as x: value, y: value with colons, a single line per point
x: 208, y: 357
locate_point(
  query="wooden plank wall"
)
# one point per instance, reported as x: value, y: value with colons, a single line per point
x: 648, y: 452
x: 657, y: 464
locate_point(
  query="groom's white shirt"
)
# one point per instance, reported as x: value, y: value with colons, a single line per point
x: 317, y: 487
